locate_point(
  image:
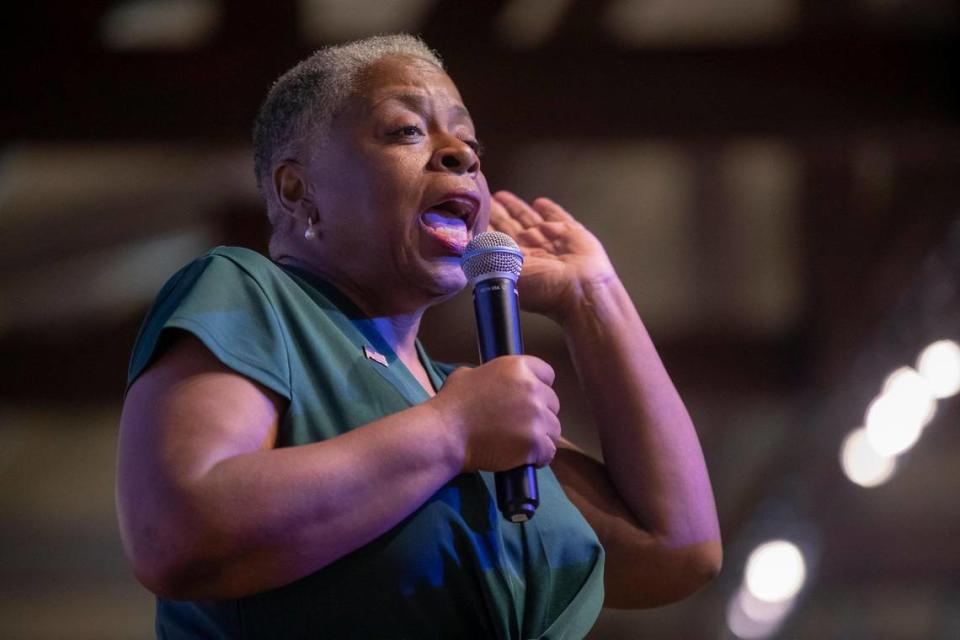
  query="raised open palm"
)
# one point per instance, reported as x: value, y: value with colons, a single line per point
x: 560, y: 254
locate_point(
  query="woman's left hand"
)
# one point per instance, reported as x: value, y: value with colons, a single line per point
x: 560, y: 255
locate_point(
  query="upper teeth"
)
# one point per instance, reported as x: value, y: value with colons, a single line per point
x: 456, y: 207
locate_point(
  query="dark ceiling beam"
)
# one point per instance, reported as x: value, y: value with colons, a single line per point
x: 861, y: 254
x: 564, y: 89
x: 861, y: 262
x: 86, y: 362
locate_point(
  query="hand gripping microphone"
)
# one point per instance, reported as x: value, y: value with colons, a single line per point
x: 492, y: 263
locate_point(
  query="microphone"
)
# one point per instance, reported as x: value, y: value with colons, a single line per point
x: 492, y: 262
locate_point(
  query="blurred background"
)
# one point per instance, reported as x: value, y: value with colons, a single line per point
x: 777, y: 181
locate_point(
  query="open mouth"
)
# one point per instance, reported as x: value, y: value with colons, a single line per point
x: 450, y: 220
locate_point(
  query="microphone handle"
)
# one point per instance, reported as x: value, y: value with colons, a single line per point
x: 498, y: 334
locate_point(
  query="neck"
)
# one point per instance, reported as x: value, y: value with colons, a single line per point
x: 398, y: 327
x: 400, y: 332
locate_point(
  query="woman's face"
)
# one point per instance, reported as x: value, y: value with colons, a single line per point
x: 398, y: 186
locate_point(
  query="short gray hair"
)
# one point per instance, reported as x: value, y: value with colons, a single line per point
x: 305, y: 99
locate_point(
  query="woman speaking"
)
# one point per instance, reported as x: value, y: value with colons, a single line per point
x: 293, y: 464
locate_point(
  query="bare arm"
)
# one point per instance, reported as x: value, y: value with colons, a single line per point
x: 653, y: 459
x: 209, y: 509
x: 650, y: 503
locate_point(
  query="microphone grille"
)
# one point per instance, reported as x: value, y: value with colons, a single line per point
x: 492, y: 254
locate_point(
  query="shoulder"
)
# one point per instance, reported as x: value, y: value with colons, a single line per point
x: 228, y: 299
x: 245, y: 262
x: 222, y: 264
x: 243, y: 257
x: 227, y: 278
x: 223, y: 280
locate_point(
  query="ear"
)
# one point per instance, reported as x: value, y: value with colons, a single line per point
x: 292, y: 191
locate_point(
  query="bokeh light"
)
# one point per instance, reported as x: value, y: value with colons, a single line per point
x: 895, y: 418
x: 862, y: 464
x: 775, y: 571
x: 913, y: 389
x: 753, y: 619
x: 939, y: 364
x: 761, y: 610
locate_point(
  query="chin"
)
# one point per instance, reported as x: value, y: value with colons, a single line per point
x: 444, y: 279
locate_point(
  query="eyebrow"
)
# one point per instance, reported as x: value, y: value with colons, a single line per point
x: 417, y: 102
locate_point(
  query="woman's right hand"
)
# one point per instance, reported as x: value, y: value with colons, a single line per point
x: 505, y: 412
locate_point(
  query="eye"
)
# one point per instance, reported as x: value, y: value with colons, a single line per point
x: 408, y: 131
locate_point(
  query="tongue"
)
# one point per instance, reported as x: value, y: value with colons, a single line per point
x: 454, y: 230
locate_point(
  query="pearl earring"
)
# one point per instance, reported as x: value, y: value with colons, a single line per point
x: 310, y: 232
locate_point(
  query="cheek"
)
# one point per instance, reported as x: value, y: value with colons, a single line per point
x: 397, y: 182
x: 483, y: 218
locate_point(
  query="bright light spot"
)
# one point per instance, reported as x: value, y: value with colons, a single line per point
x: 914, y: 388
x: 861, y: 462
x: 753, y: 619
x: 762, y: 610
x: 890, y: 429
x: 525, y: 24
x: 775, y: 571
x: 898, y: 415
x: 160, y: 24
x: 699, y: 23
x: 914, y: 391
x: 326, y: 21
x: 939, y: 364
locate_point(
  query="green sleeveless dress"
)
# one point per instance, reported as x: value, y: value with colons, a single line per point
x: 454, y: 568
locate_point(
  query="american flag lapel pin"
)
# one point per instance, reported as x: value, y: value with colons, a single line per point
x: 376, y: 356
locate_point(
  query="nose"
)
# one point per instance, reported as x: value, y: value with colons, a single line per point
x: 455, y: 156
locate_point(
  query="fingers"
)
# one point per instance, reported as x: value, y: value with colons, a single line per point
x: 547, y: 447
x: 543, y: 371
x: 553, y: 402
x: 551, y: 231
x: 508, y: 411
x: 551, y: 211
x: 532, y: 237
x: 536, y: 225
x: 519, y: 210
x: 502, y: 221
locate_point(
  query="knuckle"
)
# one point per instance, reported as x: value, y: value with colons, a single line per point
x: 514, y: 365
x: 547, y: 453
x: 528, y: 385
x: 555, y: 428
